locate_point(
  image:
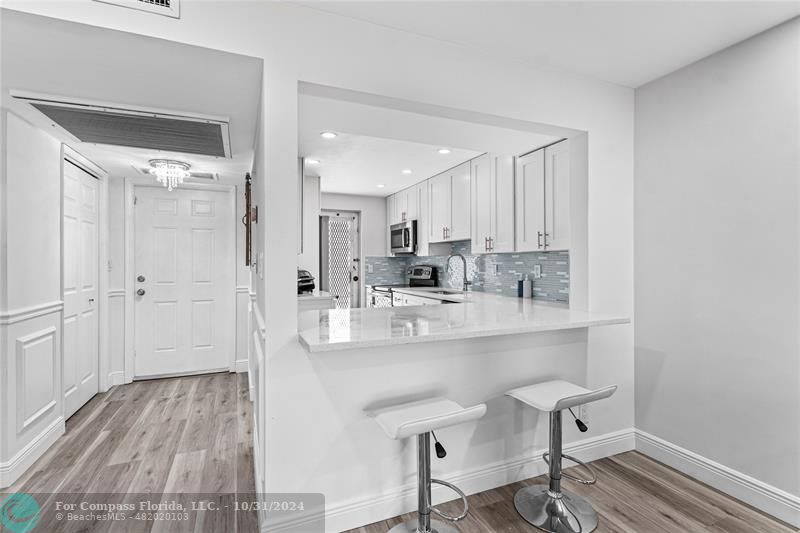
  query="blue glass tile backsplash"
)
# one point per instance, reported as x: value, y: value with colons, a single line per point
x: 488, y: 272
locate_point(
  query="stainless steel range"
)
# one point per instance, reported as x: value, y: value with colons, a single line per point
x: 418, y: 276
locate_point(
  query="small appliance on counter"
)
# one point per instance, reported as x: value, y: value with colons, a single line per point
x: 305, y: 282
x: 418, y: 276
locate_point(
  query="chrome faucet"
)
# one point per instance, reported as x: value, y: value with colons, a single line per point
x: 464, y: 261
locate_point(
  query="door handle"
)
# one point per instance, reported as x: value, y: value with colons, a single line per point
x: 140, y: 292
x: 140, y: 279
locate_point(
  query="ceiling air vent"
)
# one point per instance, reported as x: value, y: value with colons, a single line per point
x: 152, y: 130
x: 170, y: 8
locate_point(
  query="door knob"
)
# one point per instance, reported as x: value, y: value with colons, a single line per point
x: 355, y: 278
x: 140, y: 292
x: 140, y: 279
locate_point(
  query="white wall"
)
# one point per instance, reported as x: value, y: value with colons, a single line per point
x: 31, y: 400
x: 309, y: 443
x: 309, y: 259
x: 116, y: 279
x: 373, y: 219
x: 716, y: 218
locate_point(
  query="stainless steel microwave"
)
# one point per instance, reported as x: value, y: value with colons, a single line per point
x: 403, y: 237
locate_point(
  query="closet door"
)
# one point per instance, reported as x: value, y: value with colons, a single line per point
x: 81, y: 248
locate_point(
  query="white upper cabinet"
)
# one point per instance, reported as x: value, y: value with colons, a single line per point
x: 530, y: 202
x: 556, y: 196
x: 542, y: 199
x: 402, y: 206
x: 439, y: 192
x: 503, y: 237
x: 411, y: 203
x: 391, y: 209
x: 450, y: 205
x: 461, y: 210
x: 423, y: 218
x: 492, y: 204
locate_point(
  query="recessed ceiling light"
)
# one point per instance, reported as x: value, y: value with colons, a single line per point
x: 328, y: 135
x: 312, y: 161
x: 444, y: 151
x: 406, y: 171
x: 381, y: 185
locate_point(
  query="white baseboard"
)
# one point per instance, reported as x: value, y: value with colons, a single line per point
x: 350, y: 515
x: 116, y: 378
x: 241, y: 365
x: 769, y: 499
x: 13, y: 469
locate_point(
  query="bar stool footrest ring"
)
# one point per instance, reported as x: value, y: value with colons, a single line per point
x: 592, y: 481
x: 463, y: 499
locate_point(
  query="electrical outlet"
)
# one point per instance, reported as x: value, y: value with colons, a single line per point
x: 537, y: 271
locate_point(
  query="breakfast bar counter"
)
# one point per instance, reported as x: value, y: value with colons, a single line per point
x: 464, y: 316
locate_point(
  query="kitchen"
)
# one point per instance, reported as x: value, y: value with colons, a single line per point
x: 473, y: 267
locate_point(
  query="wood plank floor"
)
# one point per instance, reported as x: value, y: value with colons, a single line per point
x: 193, y: 435
x: 634, y: 494
x: 189, y: 435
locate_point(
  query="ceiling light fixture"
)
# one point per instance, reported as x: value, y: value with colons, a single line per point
x: 406, y: 171
x: 444, y: 151
x: 327, y: 135
x: 381, y: 185
x: 168, y: 172
x: 312, y: 161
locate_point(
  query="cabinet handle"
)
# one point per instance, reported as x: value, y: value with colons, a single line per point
x: 486, y: 244
x: 545, y: 240
x: 491, y: 244
x: 539, y: 239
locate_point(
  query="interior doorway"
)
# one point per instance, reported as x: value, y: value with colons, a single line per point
x: 81, y: 282
x: 184, y: 281
x: 340, y: 257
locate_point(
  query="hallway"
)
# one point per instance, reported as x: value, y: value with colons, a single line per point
x: 180, y: 435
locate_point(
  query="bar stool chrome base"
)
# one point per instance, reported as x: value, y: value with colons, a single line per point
x: 412, y: 526
x: 568, y: 513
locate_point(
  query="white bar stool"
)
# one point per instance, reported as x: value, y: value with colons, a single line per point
x: 421, y: 418
x: 550, y: 508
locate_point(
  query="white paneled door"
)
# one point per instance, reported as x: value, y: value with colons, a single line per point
x: 81, y: 248
x: 184, y: 281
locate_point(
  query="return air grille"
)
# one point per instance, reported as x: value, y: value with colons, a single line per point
x: 139, y: 130
x: 162, y: 3
x: 154, y: 132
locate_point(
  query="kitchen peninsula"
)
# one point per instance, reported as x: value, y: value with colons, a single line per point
x: 464, y: 316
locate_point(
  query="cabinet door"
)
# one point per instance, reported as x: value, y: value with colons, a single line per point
x: 391, y: 202
x: 461, y: 209
x: 556, y: 196
x: 502, y: 204
x: 439, y: 199
x: 530, y: 202
x: 411, y: 203
x: 401, y: 206
x: 423, y: 218
x: 482, y: 200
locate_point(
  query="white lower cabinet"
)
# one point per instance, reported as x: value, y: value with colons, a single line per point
x: 492, y: 204
x: 542, y: 199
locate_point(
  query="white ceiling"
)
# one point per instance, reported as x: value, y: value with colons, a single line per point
x: 374, y: 144
x: 625, y: 42
x: 354, y: 164
x: 76, y: 61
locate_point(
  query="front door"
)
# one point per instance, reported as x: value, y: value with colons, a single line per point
x: 184, y: 279
x: 81, y: 248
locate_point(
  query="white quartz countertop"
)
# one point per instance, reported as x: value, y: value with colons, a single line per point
x: 481, y: 315
x: 315, y: 295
